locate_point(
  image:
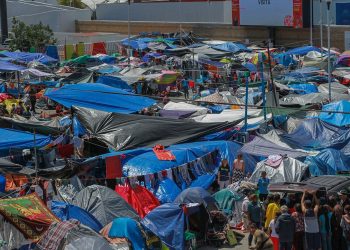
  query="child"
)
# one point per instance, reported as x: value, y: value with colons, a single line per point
x: 273, y: 235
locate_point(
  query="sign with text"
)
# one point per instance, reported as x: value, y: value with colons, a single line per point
x: 287, y: 13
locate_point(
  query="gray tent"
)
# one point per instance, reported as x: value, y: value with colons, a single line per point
x: 104, y: 203
x: 289, y: 170
x: 89, y: 243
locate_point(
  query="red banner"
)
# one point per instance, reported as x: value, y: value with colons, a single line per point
x: 235, y: 13
x: 297, y: 13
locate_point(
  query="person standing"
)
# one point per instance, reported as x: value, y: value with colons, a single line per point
x: 272, y: 231
x: 285, y: 228
x: 238, y: 169
x: 185, y: 87
x: 224, y: 174
x: 344, y: 199
x: 312, y: 231
x: 345, y: 225
x: 338, y: 241
x: 263, y: 183
x: 245, y: 216
x: 325, y: 227
x: 254, y: 211
x: 299, y: 235
x: 272, y: 209
x: 32, y: 98
x: 260, y: 238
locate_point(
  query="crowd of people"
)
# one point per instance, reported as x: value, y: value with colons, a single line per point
x: 298, y: 221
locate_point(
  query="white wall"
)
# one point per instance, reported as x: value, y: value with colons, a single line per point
x: 59, y: 18
x: 198, y: 12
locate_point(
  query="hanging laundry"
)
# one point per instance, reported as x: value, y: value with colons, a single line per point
x: 113, y: 167
x: 69, y: 51
x: 162, y: 154
x: 80, y: 49
x: 98, y: 48
x: 52, y: 51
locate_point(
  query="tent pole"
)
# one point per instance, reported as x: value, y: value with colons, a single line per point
x: 263, y: 88
x: 246, y: 105
x: 35, y: 155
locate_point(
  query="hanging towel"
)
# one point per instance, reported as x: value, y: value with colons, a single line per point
x: 80, y: 49
x: 68, y: 51
x: 162, y: 154
x: 98, y: 48
x: 113, y: 167
x: 52, y: 51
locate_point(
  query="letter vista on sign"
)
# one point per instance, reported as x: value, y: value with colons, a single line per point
x: 264, y: 2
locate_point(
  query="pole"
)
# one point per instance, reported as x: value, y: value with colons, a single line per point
x: 246, y: 105
x: 263, y: 88
x: 321, y: 25
x: 180, y: 22
x: 311, y: 22
x: 129, y: 47
x: 329, y: 49
x: 36, y: 156
x: 4, y: 26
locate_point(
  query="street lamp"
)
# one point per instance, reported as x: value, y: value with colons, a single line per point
x: 329, y: 2
x: 311, y: 22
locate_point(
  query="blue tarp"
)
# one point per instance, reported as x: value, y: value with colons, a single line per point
x: 65, y: 211
x: 232, y: 47
x: 138, y: 44
x: 52, y: 51
x: 99, y: 96
x: 303, y: 89
x: 115, y: 82
x: 10, y: 138
x: 222, y: 135
x: 315, y: 134
x: 328, y: 162
x: 203, y: 181
x: 337, y: 119
x: 108, y: 59
x: 134, y: 163
x: 166, y: 191
x: 148, y: 56
x: 302, y: 51
x: 127, y: 228
x: 284, y: 59
x: 7, y: 66
x: 26, y: 57
x: 168, y: 223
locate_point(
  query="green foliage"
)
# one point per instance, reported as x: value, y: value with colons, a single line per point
x: 23, y: 36
x: 73, y: 3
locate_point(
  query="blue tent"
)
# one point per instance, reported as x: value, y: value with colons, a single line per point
x: 315, y: 134
x: 7, y: 66
x: 196, y: 195
x: 10, y: 138
x: 203, y: 181
x: 128, y: 228
x: 284, y: 59
x: 134, y: 163
x: 337, y: 119
x: 65, y: 211
x: 99, y: 96
x: 26, y: 57
x: 168, y: 223
x: 114, y: 82
x: 232, y: 47
x: 328, y: 162
x: 302, y: 51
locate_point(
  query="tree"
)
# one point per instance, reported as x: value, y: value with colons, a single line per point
x: 23, y: 36
x: 73, y: 3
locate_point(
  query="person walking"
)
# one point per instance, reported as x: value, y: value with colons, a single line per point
x: 285, y: 228
x: 224, y: 174
x: 338, y: 241
x: 245, y: 216
x: 184, y: 84
x: 325, y: 227
x: 312, y: 231
x: 260, y: 238
x: 345, y: 225
x: 299, y: 235
x: 263, y: 183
